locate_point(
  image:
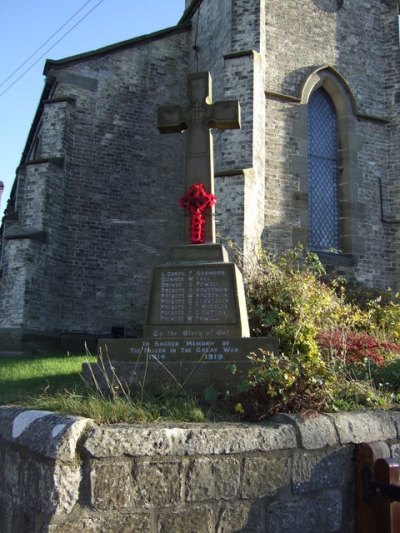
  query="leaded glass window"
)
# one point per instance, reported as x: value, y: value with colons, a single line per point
x: 323, y: 173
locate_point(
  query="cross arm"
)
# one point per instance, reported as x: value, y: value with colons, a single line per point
x: 170, y: 119
x: 226, y: 115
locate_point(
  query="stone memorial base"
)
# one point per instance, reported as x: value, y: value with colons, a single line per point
x: 199, y: 293
x: 196, y: 328
x: 189, y: 364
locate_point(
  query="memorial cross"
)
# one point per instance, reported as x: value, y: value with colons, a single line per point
x: 197, y: 118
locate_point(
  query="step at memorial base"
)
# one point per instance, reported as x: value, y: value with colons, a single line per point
x: 193, y: 364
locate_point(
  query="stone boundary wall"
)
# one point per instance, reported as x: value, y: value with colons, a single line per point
x: 61, y: 473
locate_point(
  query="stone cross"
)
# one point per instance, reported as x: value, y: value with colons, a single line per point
x: 197, y: 118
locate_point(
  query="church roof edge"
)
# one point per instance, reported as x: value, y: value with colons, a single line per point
x: 189, y: 11
x: 50, y: 63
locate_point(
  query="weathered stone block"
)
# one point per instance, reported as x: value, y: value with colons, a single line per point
x: 395, y: 416
x: 395, y: 451
x: 132, y: 523
x: 8, y: 415
x: 67, y: 479
x: 322, y: 470
x: 111, y: 485
x: 37, y: 486
x: 266, y: 475
x: 306, y: 515
x: 44, y: 432
x: 10, y: 472
x: 211, y: 479
x: 55, y: 435
x: 199, y: 439
x: 6, y: 505
x: 241, y: 516
x: 190, y: 520
x: 315, y: 432
x: 107, y: 522
x: 23, y: 519
x: 157, y: 484
x: 368, y: 426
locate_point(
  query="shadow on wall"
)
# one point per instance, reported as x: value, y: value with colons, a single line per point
x: 318, y: 495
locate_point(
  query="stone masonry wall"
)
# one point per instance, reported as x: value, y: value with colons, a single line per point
x: 34, y: 255
x: 67, y: 474
x: 300, y: 38
x: 391, y: 181
x: 124, y: 179
x: 228, y: 51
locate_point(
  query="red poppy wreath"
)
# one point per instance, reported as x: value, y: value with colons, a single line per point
x: 196, y: 201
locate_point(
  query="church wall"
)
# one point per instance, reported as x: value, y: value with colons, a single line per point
x: 13, y: 281
x: 300, y: 38
x: 391, y: 180
x: 213, y: 40
x: 121, y: 182
x: 33, y: 258
x: 228, y: 35
x: 248, y: 21
x: 281, y: 184
x: 305, y: 36
x: 42, y: 210
x: 374, y: 261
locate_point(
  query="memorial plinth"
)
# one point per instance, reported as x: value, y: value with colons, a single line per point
x: 196, y: 326
x: 197, y: 299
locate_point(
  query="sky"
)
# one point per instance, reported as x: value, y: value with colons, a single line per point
x: 32, y: 28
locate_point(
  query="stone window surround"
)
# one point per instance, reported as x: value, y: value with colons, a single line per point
x: 335, y: 85
x: 35, y: 147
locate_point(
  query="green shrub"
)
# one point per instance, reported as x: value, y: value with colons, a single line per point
x: 325, y: 331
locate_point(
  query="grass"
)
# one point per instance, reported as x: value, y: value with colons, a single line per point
x: 55, y: 384
x: 25, y: 378
x: 121, y: 410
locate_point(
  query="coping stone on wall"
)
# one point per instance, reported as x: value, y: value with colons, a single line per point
x: 323, y: 430
x: 187, y: 439
x: 313, y: 432
x: 43, y: 432
x: 49, y: 447
x: 54, y: 436
x: 368, y: 426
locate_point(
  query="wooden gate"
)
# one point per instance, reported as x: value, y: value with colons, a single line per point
x: 377, y: 489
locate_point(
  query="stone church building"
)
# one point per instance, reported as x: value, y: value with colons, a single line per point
x: 95, y: 200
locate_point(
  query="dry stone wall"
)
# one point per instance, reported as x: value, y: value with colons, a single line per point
x: 67, y: 474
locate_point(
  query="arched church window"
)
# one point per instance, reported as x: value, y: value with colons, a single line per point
x: 323, y: 193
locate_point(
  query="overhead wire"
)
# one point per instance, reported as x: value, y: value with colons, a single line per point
x: 51, y: 47
x: 44, y: 44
